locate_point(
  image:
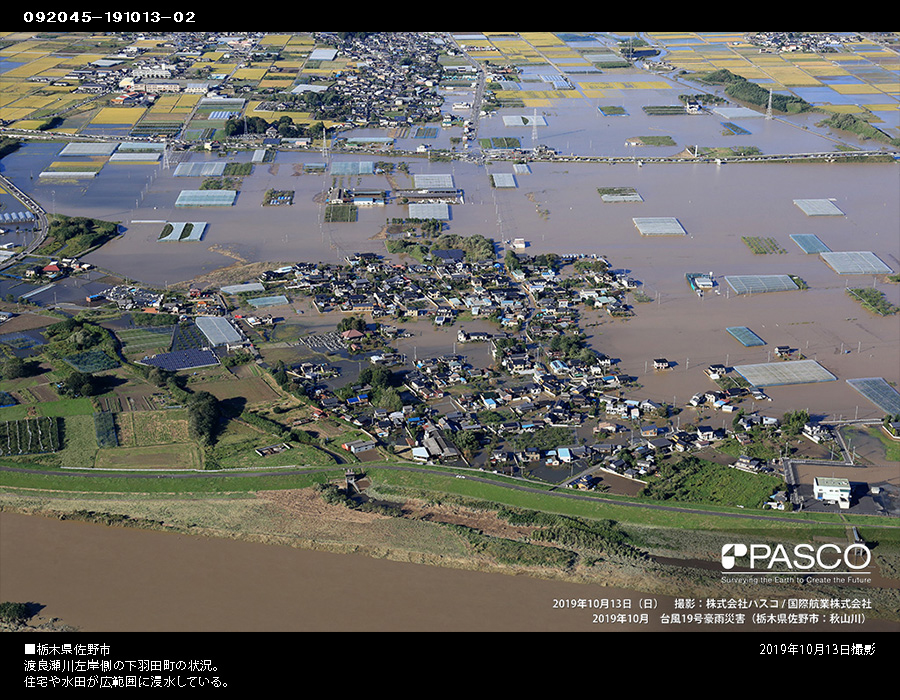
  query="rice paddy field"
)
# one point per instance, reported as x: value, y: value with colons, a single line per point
x: 34, y: 83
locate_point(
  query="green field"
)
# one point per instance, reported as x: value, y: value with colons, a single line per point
x: 144, y: 339
x: 503, y: 142
x: 29, y: 436
x: 762, y: 245
x: 340, y: 213
x: 91, y: 361
x: 63, y: 407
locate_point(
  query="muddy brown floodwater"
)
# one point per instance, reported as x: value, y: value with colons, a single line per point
x: 99, y: 578
x: 114, y: 579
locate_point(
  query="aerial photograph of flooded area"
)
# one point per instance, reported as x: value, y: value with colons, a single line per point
x: 449, y: 331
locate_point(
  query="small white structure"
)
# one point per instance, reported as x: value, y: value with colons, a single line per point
x: 832, y: 490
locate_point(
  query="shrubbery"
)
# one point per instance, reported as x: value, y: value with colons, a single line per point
x: 15, y: 613
x: 81, y: 233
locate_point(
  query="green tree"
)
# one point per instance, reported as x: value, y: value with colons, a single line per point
x: 468, y: 441
x: 389, y: 400
x: 512, y: 261
x: 14, y: 612
x: 204, y: 413
x: 13, y: 368
x: 793, y: 423
x: 351, y: 323
x: 377, y: 377
x: 79, y: 384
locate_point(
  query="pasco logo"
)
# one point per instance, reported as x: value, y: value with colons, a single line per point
x: 730, y: 552
x: 803, y: 557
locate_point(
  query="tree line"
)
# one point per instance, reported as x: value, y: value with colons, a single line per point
x: 238, y: 126
x: 739, y: 88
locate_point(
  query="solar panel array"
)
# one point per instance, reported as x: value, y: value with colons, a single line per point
x: 659, y: 226
x: 818, y: 207
x: 745, y: 336
x: 206, y: 198
x: 757, y: 284
x: 856, y: 263
x: 780, y: 373
x: 182, y: 359
x: 212, y: 169
x: 879, y: 392
x: 809, y: 243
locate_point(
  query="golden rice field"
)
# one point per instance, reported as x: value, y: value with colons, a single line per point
x: 36, y: 101
x: 16, y: 114
x: 542, y: 38
x: 298, y: 117
x: 93, y: 164
x: 250, y: 73
x: 844, y: 109
x: 118, y: 115
x: 32, y: 68
x: 283, y: 83
x: 11, y: 90
x: 536, y: 94
x: 858, y: 89
x: 275, y: 39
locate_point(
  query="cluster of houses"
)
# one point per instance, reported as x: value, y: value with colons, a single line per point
x: 531, y: 384
x: 383, y: 90
x: 136, y: 74
x: 57, y: 269
x: 379, y: 90
x: 450, y: 285
x: 791, y: 42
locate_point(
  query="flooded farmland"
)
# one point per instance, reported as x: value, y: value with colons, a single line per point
x: 556, y: 208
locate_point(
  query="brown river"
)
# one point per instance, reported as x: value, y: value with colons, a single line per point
x: 98, y: 578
